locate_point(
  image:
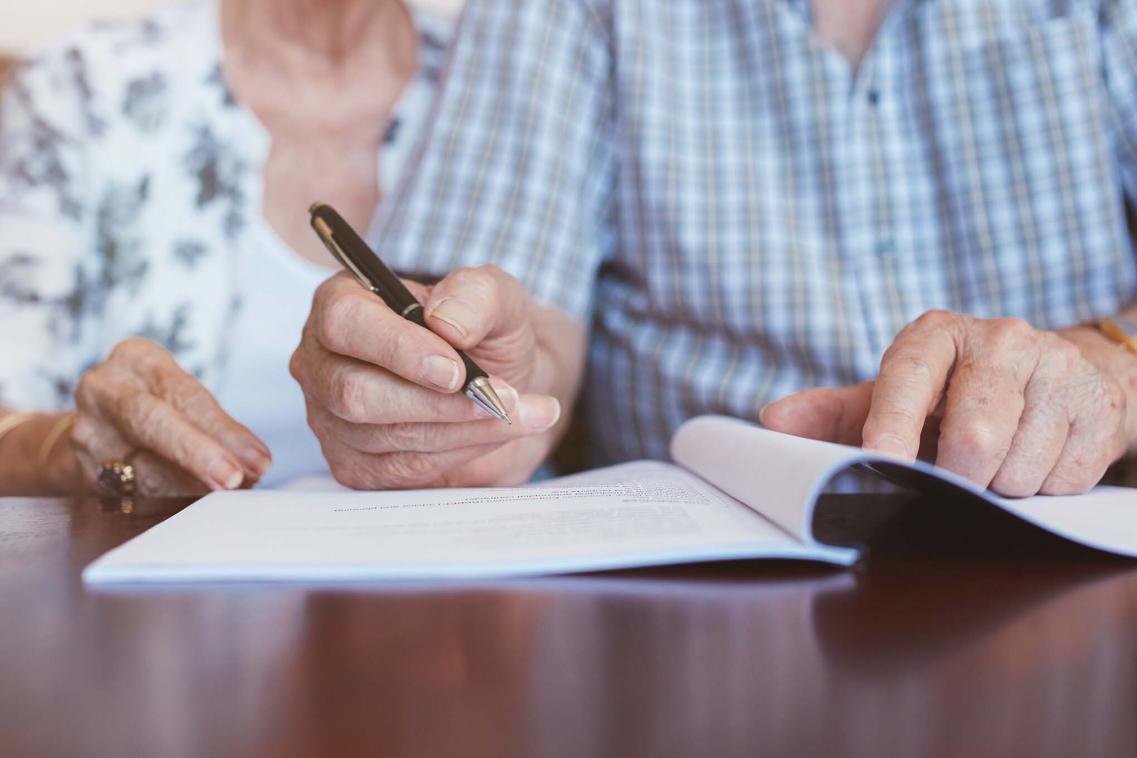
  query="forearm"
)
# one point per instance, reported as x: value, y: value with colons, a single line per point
x: 1116, y: 361
x: 26, y: 467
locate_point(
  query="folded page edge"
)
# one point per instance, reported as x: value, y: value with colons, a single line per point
x: 100, y: 574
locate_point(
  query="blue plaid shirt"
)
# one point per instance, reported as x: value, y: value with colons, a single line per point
x: 740, y: 215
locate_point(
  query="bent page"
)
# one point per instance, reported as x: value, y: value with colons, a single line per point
x: 777, y: 475
x: 781, y: 476
x: 642, y: 515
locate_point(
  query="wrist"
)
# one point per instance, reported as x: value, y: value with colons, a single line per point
x: 31, y: 468
x: 1118, y: 363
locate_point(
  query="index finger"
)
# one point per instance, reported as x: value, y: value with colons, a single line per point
x: 912, y: 378
x: 364, y: 394
x: 150, y: 423
x: 351, y: 321
x: 185, y: 393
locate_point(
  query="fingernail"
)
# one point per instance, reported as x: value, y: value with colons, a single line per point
x: 762, y: 414
x: 226, y: 475
x: 890, y: 445
x: 257, y: 460
x: 441, y: 372
x: 454, y: 312
x: 539, y: 412
x: 508, y: 395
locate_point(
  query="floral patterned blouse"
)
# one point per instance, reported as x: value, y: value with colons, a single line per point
x: 130, y: 196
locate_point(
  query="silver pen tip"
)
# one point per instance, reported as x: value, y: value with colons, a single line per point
x: 483, y: 394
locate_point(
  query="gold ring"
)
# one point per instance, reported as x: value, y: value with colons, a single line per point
x: 115, y: 478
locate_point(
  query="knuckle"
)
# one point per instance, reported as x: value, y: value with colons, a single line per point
x: 140, y: 353
x: 405, y: 437
x: 911, y: 363
x: 149, y: 481
x: 1060, y: 358
x: 403, y: 342
x: 1114, y: 400
x: 408, y: 469
x: 201, y: 407
x: 83, y: 432
x: 296, y: 366
x: 497, y: 280
x: 469, y: 275
x: 935, y: 318
x: 128, y: 349
x: 1015, y: 483
x: 168, y: 383
x: 348, y: 398
x: 139, y: 411
x: 492, y: 271
x: 888, y: 425
x: 87, y: 390
x: 1066, y: 483
x: 318, y: 421
x: 1061, y: 363
x: 350, y: 475
x: 338, y: 316
x: 1010, y: 331
x: 886, y: 420
x: 979, y: 438
x: 1070, y: 353
x: 350, y: 392
x: 481, y: 282
x: 332, y: 288
x: 443, y: 407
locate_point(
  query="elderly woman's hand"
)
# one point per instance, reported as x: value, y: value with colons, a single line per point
x: 139, y: 406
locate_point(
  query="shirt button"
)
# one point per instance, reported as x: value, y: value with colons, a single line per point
x: 873, y: 96
x: 886, y: 248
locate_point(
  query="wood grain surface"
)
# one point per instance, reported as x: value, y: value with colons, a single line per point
x: 963, y: 634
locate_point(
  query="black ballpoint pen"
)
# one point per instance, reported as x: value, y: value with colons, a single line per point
x: 352, y: 252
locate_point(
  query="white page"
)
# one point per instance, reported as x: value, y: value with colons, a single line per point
x: 776, y: 474
x: 1105, y: 518
x: 662, y: 515
x: 781, y: 476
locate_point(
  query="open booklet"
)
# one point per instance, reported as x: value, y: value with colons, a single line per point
x: 734, y: 491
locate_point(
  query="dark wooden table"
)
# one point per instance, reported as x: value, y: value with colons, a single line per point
x: 964, y: 636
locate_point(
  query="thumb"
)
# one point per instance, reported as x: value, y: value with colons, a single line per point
x: 483, y: 308
x: 832, y: 414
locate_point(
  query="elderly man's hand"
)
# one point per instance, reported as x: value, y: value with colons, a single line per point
x: 1009, y: 407
x: 384, y: 395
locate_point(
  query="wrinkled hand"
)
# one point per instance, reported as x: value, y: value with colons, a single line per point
x: 1009, y: 407
x: 384, y: 395
x: 140, y: 404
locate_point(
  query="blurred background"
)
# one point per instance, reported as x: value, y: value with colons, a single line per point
x: 26, y: 23
x: 30, y: 22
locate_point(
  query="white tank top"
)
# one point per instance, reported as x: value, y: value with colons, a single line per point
x: 256, y: 388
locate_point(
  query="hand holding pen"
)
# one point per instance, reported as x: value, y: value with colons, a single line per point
x: 385, y: 391
x: 360, y: 261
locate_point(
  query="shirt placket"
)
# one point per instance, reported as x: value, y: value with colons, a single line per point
x: 869, y: 245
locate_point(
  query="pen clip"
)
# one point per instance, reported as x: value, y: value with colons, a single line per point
x: 329, y: 239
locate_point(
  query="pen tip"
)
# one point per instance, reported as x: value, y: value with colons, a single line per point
x: 314, y: 207
x: 482, y: 393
